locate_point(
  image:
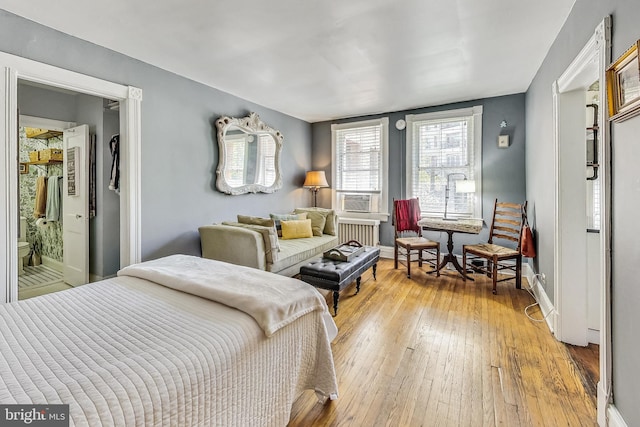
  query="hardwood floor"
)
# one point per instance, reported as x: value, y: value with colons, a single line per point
x: 431, y: 351
x: 587, y: 360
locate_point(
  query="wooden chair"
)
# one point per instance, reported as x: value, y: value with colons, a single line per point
x: 506, y: 226
x: 408, y: 237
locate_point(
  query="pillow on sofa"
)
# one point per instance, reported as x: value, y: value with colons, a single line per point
x: 296, y: 229
x: 255, y: 220
x: 286, y: 217
x: 269, y: 237
x: 330, y: 222
x: 318, y: 220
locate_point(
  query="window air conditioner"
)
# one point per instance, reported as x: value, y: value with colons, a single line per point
x: 356, y: 203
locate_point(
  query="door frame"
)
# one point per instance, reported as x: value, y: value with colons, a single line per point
x: 593, y: 58
x: 14, y: 68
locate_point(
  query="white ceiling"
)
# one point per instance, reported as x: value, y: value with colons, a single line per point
x: 325, y: 59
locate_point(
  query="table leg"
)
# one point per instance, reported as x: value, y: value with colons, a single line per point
x: 449, y: 257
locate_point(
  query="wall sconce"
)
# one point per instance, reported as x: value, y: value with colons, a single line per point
x: 462, y: 186
x: 314, y: 181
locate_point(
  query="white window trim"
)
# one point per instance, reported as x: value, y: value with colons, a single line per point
x: 384, y: 214
x: 476, y: 112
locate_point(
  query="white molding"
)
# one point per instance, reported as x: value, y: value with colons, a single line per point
x: 42, y: 123
x: 53, y: 263
x: 615, y: 418
x: 14, y: 68
x: 386, y: 252
x: 130, y: 180
x: 593, y: 58
x: 540, y: 295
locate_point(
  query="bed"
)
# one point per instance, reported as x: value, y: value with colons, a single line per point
x: 153, y: 347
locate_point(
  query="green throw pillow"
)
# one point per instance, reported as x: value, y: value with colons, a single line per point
x: 330, y: 214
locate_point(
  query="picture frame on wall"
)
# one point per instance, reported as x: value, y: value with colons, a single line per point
x: 623, y: 85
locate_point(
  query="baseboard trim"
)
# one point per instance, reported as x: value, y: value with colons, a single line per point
x: 615, y: 418
x: 603, y: 402
x: 386, y: 252
x: 541, y: 296
x: 52, y: 263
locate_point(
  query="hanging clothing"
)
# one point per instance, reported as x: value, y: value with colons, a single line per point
x: 408, y: 215
x: 54, y: 199
x: 39, y: 209
x: 114, y: 146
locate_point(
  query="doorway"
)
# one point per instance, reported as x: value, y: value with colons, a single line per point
x: 15, y: 69
x: 582, y: 255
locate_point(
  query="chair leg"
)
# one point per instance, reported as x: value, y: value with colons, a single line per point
x: 494, y: 274
x: 438, y: 261
x: 395, y: 256
x: 420, y: 258
x: 409, y: 262
x: 519, y: 273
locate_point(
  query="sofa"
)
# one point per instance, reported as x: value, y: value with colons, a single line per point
x: 255, y: 242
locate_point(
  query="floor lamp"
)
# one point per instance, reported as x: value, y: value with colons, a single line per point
x: 314, y: 181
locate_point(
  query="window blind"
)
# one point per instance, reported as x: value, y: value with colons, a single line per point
x: 441, y: 148
x: 359, y: 159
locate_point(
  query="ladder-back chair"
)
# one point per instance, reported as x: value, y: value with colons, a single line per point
x: 506, y: 228
x: 408, y: 237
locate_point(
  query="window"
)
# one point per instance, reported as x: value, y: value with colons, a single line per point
x: 445, y: 147
x: 267, y: 159
x: 359, y: 152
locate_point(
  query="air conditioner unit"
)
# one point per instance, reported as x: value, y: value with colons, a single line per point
x: 356, y: 203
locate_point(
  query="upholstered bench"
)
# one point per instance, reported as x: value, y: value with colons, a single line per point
x: 335, y: 275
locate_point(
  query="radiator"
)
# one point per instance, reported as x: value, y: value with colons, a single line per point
x: 365, y: 231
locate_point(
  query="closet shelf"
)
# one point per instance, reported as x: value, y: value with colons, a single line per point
x: 43, y: 162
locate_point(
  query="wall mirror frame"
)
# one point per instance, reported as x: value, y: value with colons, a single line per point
x: 248, y: 156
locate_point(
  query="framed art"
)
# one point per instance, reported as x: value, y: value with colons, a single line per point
x: 24, y: 168
x: 623, y: 85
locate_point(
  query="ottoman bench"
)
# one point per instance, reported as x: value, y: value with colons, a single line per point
x: 335, y: 275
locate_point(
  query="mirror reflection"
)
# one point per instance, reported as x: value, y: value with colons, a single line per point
x: 249, y: 158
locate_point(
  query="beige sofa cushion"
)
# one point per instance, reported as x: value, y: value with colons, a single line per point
x: 269, y: 236
x: 296, y: 251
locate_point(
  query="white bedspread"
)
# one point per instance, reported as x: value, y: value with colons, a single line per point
x: 126, y: 352
x: 272, y: 300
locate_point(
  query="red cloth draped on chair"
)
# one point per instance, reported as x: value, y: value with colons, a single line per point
x: 407, y: 215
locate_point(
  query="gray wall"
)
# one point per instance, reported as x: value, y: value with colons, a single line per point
x: 503, y: 170
x: 579, y: 27
x: 179, y: 149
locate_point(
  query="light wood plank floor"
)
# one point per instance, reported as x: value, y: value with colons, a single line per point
x: 431, y: 351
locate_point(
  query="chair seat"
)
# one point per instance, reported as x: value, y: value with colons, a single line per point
x: 417, y: 242
x: 491, y: 250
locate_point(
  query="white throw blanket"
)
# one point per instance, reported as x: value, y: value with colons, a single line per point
x: 273, y: 301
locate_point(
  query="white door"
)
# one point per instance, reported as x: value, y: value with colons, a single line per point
x: 75, y: 206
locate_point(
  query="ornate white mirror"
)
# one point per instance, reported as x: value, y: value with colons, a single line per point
x: 249, y: 156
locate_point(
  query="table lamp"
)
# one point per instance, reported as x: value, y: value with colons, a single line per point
x: 462, y: 186
x: 314, y: 181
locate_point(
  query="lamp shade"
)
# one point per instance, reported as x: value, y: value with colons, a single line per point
x: 315, y: 179
x: 465, y: 186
